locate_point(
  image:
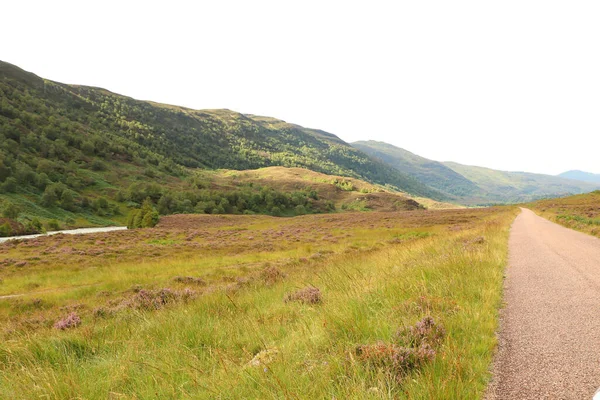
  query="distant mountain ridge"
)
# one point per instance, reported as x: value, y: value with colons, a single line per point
x: 473, y: 185
x: 437, y: 174
x: 581, y: 176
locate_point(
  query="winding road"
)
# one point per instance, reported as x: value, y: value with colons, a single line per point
x: 549, y: 340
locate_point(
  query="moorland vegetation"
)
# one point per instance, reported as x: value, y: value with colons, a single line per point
x: 348, y: 305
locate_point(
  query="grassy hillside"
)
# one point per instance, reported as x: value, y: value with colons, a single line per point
x: 310, y: 307
x: 434, y: 173
x: 62, y: 147
x: 333, y: 192
x: 580, y: 212
x: 502, y: 186
x: 475, y: 185
x: 581, y: 176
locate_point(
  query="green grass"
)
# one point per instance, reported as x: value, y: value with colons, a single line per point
x: 579, y: 218
x: 201, y: 348
x: 580, y: 212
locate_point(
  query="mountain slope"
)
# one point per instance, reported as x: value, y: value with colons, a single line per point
x: 434, y: 173
x: 175, y: 136
x: 504, y: 186
x: 581, y: 176
x: 474, y: 185
x: 84, y: 155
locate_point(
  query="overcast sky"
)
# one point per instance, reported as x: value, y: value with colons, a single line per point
x: 512, y: 85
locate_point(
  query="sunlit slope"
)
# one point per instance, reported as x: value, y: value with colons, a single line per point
x: 166, y: 136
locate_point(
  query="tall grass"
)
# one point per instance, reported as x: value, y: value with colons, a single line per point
x: 203, y: 349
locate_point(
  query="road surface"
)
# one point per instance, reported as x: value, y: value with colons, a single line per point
x: 80, y: 231
x: 549, y: 341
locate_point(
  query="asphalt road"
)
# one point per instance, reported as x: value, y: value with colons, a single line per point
x: 549, y: 340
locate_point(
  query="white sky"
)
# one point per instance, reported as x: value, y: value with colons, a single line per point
x: 511, y: 85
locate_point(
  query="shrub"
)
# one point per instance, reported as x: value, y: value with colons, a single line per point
x: 49, y: 197
x: 308, y: 295
x: 53, y: 225
x: 271, y: 275
x: 145, y: 217
x: 34, y: 226
x: 70, y: 321
x: 67, y: 200
x: 98, y: 165
x: 190, y: 280
x: 156, y: 299
x: 397, y: 360
x: 5, y: 230
x: 424, y: 332
x: 413, y: 347
x: 11, y: 211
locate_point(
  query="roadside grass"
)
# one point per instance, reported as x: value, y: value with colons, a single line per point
x: 580, y: 212
x: 238, y: 338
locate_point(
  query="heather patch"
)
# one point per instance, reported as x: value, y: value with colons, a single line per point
x: 411, y: 348
x: 307, y: 295
x: 393, y: 359
x: 271, y: 275
x: 156, y: 299
x: 190, y: 280
x: 70, y: 321
x: 424, y: 332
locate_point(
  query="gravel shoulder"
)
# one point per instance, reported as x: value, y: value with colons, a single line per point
x: 549, y: 339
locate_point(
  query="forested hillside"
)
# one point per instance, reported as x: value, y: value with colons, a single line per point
x: 85, y: 155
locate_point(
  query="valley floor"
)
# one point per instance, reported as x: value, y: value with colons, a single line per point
x: 257, y: 307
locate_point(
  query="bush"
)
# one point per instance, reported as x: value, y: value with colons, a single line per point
x: 34, y: 226
x: 9, y: 185
x: 425, y: 331
x: 5, y: 230
x: 11, y: 211
x: 49, y: 197
x: 98, y: 165
x: 145, y: 217
x: 53, y: 225
x: 67, y: 200
x: 412, y: 348
x: 70, y: 321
